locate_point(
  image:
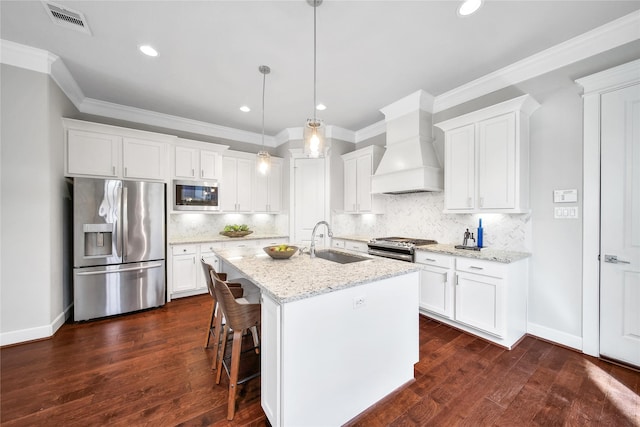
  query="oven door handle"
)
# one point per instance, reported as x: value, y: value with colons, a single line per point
x: 394, y: 255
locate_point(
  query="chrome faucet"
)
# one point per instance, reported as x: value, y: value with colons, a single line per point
x: 312, y: 249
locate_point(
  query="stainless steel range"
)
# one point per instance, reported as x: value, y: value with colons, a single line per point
x: 401, y: 248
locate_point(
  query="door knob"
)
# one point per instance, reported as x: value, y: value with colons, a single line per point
x: 613, y: 259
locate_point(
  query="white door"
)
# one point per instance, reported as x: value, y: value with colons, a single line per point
x: 620, y: 226
x: 309, y: 199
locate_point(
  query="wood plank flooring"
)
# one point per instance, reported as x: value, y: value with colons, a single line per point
x: 150, y: 368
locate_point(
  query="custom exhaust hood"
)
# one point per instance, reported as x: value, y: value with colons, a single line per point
x: 409, y: 164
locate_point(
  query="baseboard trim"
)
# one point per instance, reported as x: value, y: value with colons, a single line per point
x: 22, y: 336
x: 554, y: 336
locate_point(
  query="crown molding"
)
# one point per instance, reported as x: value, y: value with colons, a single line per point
x: 336, y: 132
x: 613, y: 34
x: 27, y: 57
x: 419, y: 100
x: 65, y: 81
x: 138, y: 115
x: 622, y: 75
x: 370, y: 131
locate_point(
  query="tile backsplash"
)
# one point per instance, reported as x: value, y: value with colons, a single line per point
x: 420, y: 215
x: 203, y: 226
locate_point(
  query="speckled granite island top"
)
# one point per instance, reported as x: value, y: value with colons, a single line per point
x: 221, y: 238
x: 302, y: 277
x: 486, y: 254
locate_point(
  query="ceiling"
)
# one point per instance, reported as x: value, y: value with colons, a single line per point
x: 369, y: 53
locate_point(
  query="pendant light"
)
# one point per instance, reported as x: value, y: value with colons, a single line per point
x: 314, y: 128
x: 264, y: 158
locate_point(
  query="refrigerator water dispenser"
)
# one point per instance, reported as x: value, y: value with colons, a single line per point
x: 98, y: 239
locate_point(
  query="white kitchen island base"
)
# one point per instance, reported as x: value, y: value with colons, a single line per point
x: 327, y: 358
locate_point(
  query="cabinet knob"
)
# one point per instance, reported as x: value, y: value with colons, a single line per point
x: 193, y: 172
x: 184, y: 250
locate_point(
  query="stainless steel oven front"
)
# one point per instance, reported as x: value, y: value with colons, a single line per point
x: 196, y: 196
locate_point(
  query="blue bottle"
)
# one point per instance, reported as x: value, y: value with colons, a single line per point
x: 480, y: 232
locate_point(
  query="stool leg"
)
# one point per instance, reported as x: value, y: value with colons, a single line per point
x: 223, y: 344
x: 233, y: 375
x: 217, y: 329
x: 210, y: 324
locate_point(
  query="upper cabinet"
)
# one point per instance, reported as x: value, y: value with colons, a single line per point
x: 98, y: 150
x: 486, y: 158
x: 195, y: 160
x: 359, y: 166
x: 237, y: 184
x: 268, y: 189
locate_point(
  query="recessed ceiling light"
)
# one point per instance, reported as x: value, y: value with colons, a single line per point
x: 321, y: 107
x: 245, y: 109
x: 148, y: 50
x: 468, y: 7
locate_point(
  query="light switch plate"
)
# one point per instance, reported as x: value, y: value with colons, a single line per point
x: 565, y: 196
x: 565, y: 212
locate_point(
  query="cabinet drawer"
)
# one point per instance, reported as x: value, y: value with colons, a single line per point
x: 209, y: 248
x: 184, y: 249
x: 486, y: 268
x: 336, y: 243
x: 356, y: 246
x: 431, y: 258
x: 240, y: 244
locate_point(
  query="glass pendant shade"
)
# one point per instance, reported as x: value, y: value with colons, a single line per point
x: 264, y: 162
x: 314, y: 138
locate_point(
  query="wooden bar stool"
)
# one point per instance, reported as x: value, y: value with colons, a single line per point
x: 215, y: 319
x: 241, y: 317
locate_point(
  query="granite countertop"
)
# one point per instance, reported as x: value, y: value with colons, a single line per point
x: 486, y: 254
x: 221, y: 238
x: 354, y: 238
x: 302, y: 277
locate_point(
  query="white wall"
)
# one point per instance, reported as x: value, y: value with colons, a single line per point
x: 31, y: 250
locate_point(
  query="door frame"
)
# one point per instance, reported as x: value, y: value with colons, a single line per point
x: 595, y: 86
x: 298, y: 153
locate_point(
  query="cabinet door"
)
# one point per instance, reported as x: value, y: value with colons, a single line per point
x: 245, y: 179
x: 497, y: 162
x: 91, y: 153
x: 363, y: 189
x: 261, y: 193
x: 143, y: 159
x: 480, y: 302
x: 229, y: 184
x: 186, y: 162
x: 275, y: 187
x: 209, y: 164
x: 436, y: 291
x: 350, y: 185
x: 184, y: 273
x: 459, y: 179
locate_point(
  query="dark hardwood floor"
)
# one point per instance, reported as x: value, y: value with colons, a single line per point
x: 150, y: 368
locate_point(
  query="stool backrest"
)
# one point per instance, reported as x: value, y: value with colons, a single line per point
x: 208, y: 272
x: 239, y: 315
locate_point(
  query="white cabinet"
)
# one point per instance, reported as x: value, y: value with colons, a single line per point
x: 143, y: 159
x: 485, y: 298
x: 359, y: 166
x: 186, y: 276
x: 191, y: 161
x: 236, y: 188
x: 436, y: 283
x: 486, y: 165
x: 97, y: 150
x: 268, y: 189
x: 351, y: 245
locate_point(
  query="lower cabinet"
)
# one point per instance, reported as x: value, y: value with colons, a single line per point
x: 484, y: 298
x: 351, y: 245
x: 185, y: 274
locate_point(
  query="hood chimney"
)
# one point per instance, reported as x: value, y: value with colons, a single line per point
x: 409, y: 164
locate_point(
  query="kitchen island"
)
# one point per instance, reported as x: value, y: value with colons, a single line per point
x: 336, y: 338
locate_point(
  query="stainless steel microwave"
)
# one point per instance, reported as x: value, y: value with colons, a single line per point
x: 196, y: 196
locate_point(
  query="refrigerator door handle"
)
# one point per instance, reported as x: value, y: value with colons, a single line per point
x: 117, y: 232
x: 125, y: 223
x: 93, y: 273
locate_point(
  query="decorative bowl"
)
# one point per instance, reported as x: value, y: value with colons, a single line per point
x: 235, y: 233
x: 275, y: 254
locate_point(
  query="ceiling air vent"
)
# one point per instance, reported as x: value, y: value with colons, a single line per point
x: 67, y: 18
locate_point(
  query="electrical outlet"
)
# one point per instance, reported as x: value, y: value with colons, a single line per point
x: 359, y: 302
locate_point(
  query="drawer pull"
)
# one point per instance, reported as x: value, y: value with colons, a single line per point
x: 430, y: 259
x: 473, y: 267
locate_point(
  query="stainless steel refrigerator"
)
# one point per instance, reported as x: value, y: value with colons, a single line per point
x: 119, y: 246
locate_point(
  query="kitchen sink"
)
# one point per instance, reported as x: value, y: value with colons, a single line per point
x: 340, y: 257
